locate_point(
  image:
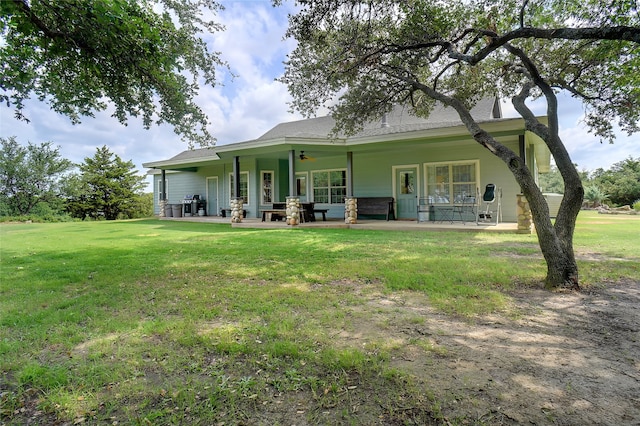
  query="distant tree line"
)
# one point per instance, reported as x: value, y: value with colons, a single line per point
x: 616, y: 186
x: 37, y: 183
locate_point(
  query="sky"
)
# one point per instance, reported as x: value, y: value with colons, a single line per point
x: 245, y: 107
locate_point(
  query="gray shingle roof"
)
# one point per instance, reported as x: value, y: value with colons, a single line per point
x: 399, y: 120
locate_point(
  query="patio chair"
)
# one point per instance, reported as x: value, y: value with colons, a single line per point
x: 491, y: 198
x: 465, y: 208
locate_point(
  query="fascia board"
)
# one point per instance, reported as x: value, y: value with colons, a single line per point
x: 501, y: 126
x: 259, y: 146
x: 180, y: 163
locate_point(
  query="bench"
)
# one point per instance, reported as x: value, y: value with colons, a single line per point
x: 376, y: 206
x: 223, y: 212
x: 278, y: 211
x: 324, y: 214
x: 307, y: 210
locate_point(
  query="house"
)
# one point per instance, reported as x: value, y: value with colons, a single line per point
x: 405, y: 157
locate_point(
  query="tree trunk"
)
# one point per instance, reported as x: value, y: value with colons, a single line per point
x: 556, y: 241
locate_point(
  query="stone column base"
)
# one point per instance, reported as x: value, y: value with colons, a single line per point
x: 293, y: 211
x: 350, y: 210
x: 237, y: 205
x: 524, y: 214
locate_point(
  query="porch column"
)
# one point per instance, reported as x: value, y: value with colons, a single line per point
x: 163, y: 194
x: 349, y: 174
x: 236, y: 202
x: 523, y: 210
x: 293, y: 190
x: 236, y: 176
x: 164, y: 185
x: 350, y: 202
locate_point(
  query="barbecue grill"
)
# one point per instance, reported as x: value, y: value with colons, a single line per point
x: 191, y: 204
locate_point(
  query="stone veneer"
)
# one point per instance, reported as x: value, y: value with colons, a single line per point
x: 524, y: 214
x: 293, y: 211
x: 237, y: 205
x: 163, y: 205
x: 350, y: 210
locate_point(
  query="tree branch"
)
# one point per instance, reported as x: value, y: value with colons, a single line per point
x: 624, y: 33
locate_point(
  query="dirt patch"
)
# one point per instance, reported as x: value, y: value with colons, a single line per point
x: 567, y: 359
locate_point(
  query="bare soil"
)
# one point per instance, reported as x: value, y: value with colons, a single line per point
x: 566, y: 358
x: 569, y: 358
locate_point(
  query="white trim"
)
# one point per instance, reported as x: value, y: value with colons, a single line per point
x: 394, y: 170
x: 273, y: 189
x: 308, y: 181
x: 475, y: 162
x: 248, y: 188
x: 313, y: 192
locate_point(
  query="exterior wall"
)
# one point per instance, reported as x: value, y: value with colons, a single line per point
x: 179, y: 184
x: 372, y: 174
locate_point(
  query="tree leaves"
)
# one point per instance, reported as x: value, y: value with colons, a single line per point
x: 146, y: 58
x: 29, y: 175
x: 106, y: 186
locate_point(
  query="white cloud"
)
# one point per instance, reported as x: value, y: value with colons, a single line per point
x: 585, y: 149
x: 241, y: 109
x: 246, y: 107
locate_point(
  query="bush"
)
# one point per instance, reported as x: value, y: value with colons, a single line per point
x: 636, y: 206
x: 40, y: 213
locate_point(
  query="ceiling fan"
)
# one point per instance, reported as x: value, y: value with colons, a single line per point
x: 306, y: 157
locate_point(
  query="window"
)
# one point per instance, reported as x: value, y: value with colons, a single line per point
x: 166, y: 186
x: 301, y: 186
x: 244, y: 186
x: 329, y: 186
x: 450, y: 183
x: 407, y: 184
x: 267, y: 187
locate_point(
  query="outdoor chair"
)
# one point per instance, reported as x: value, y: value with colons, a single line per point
x: 490, y: 198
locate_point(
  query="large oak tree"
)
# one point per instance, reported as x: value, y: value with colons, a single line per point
x: 365, y: 56
x: 142, y: 58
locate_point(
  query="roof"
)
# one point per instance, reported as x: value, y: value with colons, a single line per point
x: 400, y: 120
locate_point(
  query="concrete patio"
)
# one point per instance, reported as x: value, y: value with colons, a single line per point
x: 392, y: 225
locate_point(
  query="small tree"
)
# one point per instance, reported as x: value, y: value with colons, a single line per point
x: 106, y: 187
x: 29, y: 175
x: 594, y: 195
x: 366, y: 56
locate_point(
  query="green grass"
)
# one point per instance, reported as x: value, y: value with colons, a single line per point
x: 159, y: 322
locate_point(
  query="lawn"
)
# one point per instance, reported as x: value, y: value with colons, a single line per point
x: 160, y: 322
